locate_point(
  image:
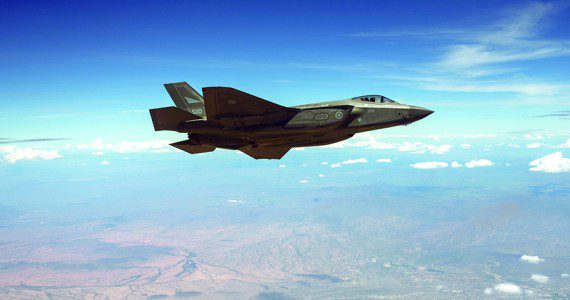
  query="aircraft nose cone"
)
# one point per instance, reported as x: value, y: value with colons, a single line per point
x: 417, y: 113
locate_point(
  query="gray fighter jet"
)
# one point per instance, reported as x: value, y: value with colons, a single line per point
x: 231, y: 119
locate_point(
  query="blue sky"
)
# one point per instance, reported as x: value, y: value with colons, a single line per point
x: 95, y: 65
x: 90, y: 71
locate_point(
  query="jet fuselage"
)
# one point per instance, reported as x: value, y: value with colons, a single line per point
x: 235, y: 120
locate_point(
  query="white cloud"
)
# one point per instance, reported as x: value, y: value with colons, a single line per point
x: 355, y: 161
x: 234, y: 201
x: 429, y: 165
x: 97, y: 153
x: 337, y: 145
x: 511, y: 39
x: 535, y: 145
x: 303, y: 181
x: 152, y: 146
x: 545, y: 145
x: 104, y: 163
x: 282, y: 166
x: 372, y: 141
x: 299, y: 149
x: 456, y: 165
x: 96, y: 145
x: 321, y: 175
x: 368, y: 140
x: 564, y: 145
x: 539, y: 278
x: 374, y: 144
x: 15, y: 154
x: 525, y: 88
x: 350, y: 162
x: 479, y: 163
x: 552, y: 163
x: 383, y: 160
x: 136, y: 147
x: 532, y: 259
x: 480, y: 136
x: 466, y: 56
x: 465, y: 83
x: 324, y: 163
x: 533, y: 136
x: 7, y: 149
x: 465, y: 146
x: 508, y: 288
x: 420, y: 147
x: 482, y: 59
x: 564, y: 275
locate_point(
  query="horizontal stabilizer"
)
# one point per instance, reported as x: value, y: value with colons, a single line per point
x: 228, y: 102
x: 191, y: 148
x: 168, y: 118
x: 266, y: 152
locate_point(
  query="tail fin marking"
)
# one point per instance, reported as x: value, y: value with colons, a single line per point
x: 186, y: 98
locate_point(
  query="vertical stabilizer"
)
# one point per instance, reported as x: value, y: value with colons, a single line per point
x: 186, y: 98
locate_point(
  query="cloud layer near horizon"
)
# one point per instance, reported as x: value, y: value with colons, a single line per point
x: 552, y: 163
x: 14, y: 154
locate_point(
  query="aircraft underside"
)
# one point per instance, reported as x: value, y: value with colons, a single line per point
x: 297, y: 140
x: 268, y: 148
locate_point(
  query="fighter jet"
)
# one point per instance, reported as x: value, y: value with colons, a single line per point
x: 231, y: 119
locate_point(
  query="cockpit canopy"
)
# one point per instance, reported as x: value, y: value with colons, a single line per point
x: 374, y: 98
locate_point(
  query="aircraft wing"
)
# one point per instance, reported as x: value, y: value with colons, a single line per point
x: 228, y: 102
x: 266, y: 152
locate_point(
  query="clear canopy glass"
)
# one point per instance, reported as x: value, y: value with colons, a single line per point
x: 374, y: 98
